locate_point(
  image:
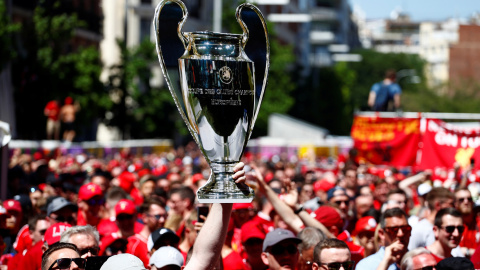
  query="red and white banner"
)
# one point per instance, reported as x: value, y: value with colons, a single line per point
x: 445, y: 144
x: 389, y: 141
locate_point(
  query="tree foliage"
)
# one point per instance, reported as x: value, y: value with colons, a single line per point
x: 7, y: 29
x: 139, y: 110
x: 50, y: 67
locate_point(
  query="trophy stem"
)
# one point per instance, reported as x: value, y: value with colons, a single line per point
x: 222, y: 188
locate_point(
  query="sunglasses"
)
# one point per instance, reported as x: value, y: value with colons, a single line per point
x: 348, y: 265
x: 451, y: 229
x: 280, y: 250
x: 431, y: 267
x: 64, y: 263
x: 469, y: 199
x: 68, y: 219
x: 340, y: 202
x: 94, y: 202
x: 92, y: 250
x: 394, y: 230
x: 115, y: 249
x: 122, y: 217
x: 157, y: 217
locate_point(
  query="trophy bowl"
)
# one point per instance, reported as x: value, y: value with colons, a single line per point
x: 217, y: 81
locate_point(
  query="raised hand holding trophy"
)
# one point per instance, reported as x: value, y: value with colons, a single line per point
x: 217, y: 81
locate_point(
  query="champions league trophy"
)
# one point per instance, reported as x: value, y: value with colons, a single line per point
x: 217, y: 81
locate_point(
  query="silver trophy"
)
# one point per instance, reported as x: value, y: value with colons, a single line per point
x: 217, y: 81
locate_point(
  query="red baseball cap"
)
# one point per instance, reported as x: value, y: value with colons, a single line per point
x: 365, y: 224
x: 197, y: 177
x: 109, y: 240
x: 53, y: 233
x: 143, y: 172
x: 239, y: 206
x: 126, y: 180
x: 328, y: 216
x: 251, y: 230
x: 323, y: 185
x: 89, y: 191
x: 12, y: 205
x: 125, y: 207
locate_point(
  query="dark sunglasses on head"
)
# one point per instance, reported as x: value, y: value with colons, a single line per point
x: 42, y: 232
x: 451, y: 229
x: 157, y: 217
x: 94, y: 202
x: 124, y: 217
x: 465, y: 199
x: 431, y: 267
x: 279, y: 250
x: 64, y: 263
x: 340, y: 202
x: 348, y: 265
x: 92, y: 250
x: 394, y: 230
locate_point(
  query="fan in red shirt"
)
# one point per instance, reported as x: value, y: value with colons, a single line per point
x: 33, y: 258
x: 126, y: 218
x: 52, y: 111
x: 331, y: 219
x: 252, y: 240
x: 153, y: 215
x: 464, y: 204
x: 90, y: 201
x: 36, y: 228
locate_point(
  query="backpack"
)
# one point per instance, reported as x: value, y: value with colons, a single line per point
x: 381, y: 99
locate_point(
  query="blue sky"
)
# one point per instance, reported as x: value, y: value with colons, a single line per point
x: 419, y: 10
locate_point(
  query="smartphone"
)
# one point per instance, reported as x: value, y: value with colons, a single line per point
x: 202, y: 210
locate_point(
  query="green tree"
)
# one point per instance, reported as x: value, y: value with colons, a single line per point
x: 139, y: 110
x: 7, y: 29
x: 50, y: 67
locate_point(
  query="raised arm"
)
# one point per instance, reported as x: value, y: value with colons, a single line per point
x: 209, y: 243
x: 210, y: 239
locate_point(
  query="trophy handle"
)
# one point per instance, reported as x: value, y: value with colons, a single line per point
x: 257, y: 48
x: 170, y: 15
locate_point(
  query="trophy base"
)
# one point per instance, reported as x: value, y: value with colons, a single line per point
x: 221, y: 188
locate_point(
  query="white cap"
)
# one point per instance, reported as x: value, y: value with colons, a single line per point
x: 166, y: 256
x: 123, y: 261
x: 423, y: 189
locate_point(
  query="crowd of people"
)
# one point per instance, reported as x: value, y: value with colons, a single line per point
x: 127, y: 211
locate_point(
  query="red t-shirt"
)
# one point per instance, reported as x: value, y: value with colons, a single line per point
x: 356, y: 251
x: 14, y: 262
x: 137, y: 245
x: 53, y: 110
x: 471, y: 236
x: 233, y: 261
x: 33, y: 258
x: 437, y: 258
x: 476, y: 258
x: 106, y: 227
x: 23, y: 241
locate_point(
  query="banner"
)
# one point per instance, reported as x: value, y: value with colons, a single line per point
x: 445, y: 144
x: 389, y: 141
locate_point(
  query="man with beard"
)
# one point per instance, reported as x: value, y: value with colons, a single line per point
x: 448, y: 229
x: 464, y: 204
x: 395, y: 233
